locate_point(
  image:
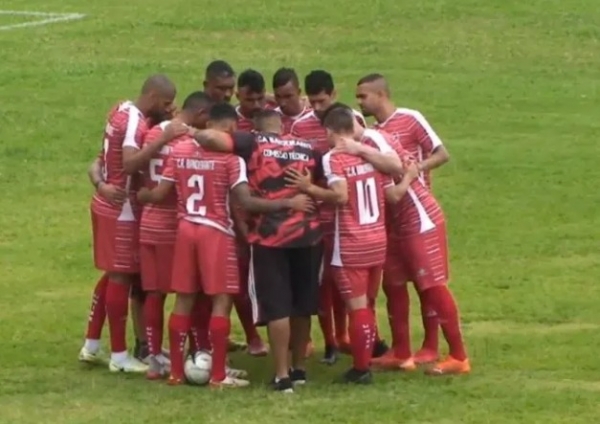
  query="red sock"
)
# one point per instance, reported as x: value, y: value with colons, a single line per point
x: 361, y: 337
x: 153, y: 320
x: 340, y: 315
x: 398, y: 308
x: 219, y: 329
x: 326, y: 312
x: 441, y: 299
x: 117, y: 303
x: 373, y: 308
x: 243, y: 307
x: 430, y: 324
x: 199, y: 324
x: 97, y: 310
x: 179, y: 325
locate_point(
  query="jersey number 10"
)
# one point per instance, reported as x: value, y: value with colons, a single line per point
x: 368, y: 206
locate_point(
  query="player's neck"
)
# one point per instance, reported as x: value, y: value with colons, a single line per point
x: 296, y: 109
x: 386, y: 110
x: 142, y: 105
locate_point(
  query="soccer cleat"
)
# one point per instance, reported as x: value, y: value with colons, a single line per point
x: 257, y: 348
x: 236, y: 373
x: 380, y: 348
x: 229, y: 382
x: 450, y: 366
x: 128, y: 365
x: 159, y: 367
x: 354, y: 376
x: 175, y: 381
x: 94, y: 358
x: 389, y: 362
x: 298, y: 377
x: 310, y: 349
x: 426, y: 356
x: 282, y: 385
x: 234, y: 346
x: 330, y: 356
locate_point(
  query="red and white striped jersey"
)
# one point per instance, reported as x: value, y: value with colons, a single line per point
x: 288, y: 121
x: 412, y: 130
x: 126, y: 127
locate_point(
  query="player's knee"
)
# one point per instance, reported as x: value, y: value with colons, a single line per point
x: 222, y: 304
x: 184, y: 303
x: 120, y: 278
x: 357, y: 302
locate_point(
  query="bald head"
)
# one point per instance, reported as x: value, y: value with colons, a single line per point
x: 372, y: 93
x: 157, y: 97
x: 158, y: 83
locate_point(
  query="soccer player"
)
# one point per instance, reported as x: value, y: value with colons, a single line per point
x: 115, y: 226
x: 158, y: 227
x: 219, y: 81
x: 358, y: 190
x: 319, y: 87
x: 205, y: 252
x: 291, y: 106
x: 286, y: 248
x: 251, y: 97
x: 412, y: 130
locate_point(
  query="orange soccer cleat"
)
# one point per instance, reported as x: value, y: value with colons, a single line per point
x: 450, y: 366
x: 426, y: 356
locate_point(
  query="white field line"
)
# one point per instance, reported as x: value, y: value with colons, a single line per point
x: 49, y: 18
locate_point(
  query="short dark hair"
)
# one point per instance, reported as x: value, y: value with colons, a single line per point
x: 263, y: 116
x: 340, y: 119
x: 333, y: 106
x: 219, y: 68
x: 370, y: 78
x: 283, y: 76
x: 252, y: 80
x: 318, y: 81
x: 197, y: 100
x: 222, y: 111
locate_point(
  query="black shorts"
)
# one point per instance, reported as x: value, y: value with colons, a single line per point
x: 284, y: 282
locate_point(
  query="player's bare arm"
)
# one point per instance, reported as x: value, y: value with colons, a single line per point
x: 135, y: 159
x: 386, y: 162
x: 439, y: 157
x: 157, y: 194
x: 112, y: 193
x: 336, y: 194
x: 395, y: 193
x: 215, y: 140
x: 300, y: 202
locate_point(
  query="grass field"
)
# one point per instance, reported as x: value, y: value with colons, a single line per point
x: 510, y: 86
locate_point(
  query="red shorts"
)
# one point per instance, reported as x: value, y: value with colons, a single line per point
x: 356, y: 282
x: 156, y: 263
x: 204, y: 261
x: 422, y: 259
x: 243, y: 256
x: 116, y: 247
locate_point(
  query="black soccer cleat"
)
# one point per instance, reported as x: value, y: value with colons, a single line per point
x: 298, y: 377
x: 141, y: 352
x: 354, y: 376
x: 283, y: 385
x: 331, y: 355
x: 380, y: 348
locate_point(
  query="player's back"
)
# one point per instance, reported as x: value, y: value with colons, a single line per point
x: 360, y: 236
x: 203, y: 179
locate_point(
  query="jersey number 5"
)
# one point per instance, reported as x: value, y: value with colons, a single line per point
x: 368, y: 206
x: 192, y: 205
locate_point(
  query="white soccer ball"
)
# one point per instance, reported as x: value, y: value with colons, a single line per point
x: 197, y: 368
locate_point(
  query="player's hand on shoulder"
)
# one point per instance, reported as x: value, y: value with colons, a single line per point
x: 143, y: 195
x: 112, y: 193
x: 176, y: 128
x: 301, y: 180
x: 349, y: 145
x: 302, y: 203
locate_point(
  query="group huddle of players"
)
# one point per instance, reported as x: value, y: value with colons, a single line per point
x: 282, y: 207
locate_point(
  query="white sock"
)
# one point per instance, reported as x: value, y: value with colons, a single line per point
x: 92, y: 345
x: 118, y: 357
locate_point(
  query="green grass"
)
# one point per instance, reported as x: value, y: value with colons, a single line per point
x: 510, y: 86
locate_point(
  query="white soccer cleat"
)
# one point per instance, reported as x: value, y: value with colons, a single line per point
x: 159, y: 367
x: 236, y: 373
x: 229, y: 382
x: 128, y: 365
x: 90, y: 357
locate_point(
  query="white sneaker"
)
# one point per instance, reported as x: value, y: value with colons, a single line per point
x: 235, y: 373
x: 90, y: 357
x: 129, y: 365
x: 158, y: 367
x: 229, y: 382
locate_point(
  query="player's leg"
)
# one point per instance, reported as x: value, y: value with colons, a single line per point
x: 429, y: 351
x: 271, y: 293
x: 305, y: 266
x: 326, y: 313
x: 90, y: 352
x: 340, y: 319
x: 200, y: 318
x: 353, y: 284
x: 395, y: 278
x: 429, y: 261
x: 137, y: 299
x: 218, y: 269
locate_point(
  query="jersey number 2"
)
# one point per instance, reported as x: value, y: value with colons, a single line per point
x: 192, y: 205
x: 368, y: 206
